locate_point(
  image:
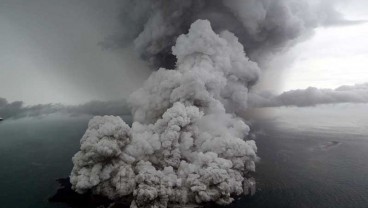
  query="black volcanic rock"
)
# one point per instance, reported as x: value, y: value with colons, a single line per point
x: 65, y: 194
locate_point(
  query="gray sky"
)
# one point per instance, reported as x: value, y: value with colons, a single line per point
x: 332, y: 57
x: 49, y: 53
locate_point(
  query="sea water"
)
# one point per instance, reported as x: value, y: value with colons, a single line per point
x: 304, y: 161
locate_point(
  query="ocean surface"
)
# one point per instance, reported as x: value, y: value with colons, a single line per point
x: 305, y: 162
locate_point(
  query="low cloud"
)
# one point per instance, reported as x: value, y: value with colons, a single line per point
x: 312, y: 96
x: 18, y: 110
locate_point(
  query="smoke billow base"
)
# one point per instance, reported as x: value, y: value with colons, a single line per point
x: 187, y: 144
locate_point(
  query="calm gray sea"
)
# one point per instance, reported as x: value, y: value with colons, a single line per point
x: 304, y: 162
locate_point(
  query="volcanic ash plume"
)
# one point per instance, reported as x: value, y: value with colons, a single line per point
x: 263, y: 26
x: 186, y: 144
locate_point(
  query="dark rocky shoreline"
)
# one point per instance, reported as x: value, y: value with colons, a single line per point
x: 65, y: 194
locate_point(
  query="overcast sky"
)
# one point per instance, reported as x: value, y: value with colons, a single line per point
x: 49, y: 53
x: 332, y: 57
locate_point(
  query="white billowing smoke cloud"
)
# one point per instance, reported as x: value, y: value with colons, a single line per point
x: 186, y: 144
x: 312, y: 96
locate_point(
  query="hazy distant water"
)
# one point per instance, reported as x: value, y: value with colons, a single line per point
x: 312, y: 157
x: 310, y: 169
x: 299, y: 167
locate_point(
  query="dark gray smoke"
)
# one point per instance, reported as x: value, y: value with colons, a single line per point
x: 262, y: 26
x: 18, y: 110
x: 312, y: 96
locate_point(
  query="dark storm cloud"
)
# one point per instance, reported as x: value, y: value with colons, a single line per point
x: 18, y: 110
x: 54, y: 47
x: 261, y: 25
x: 312, y: 96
